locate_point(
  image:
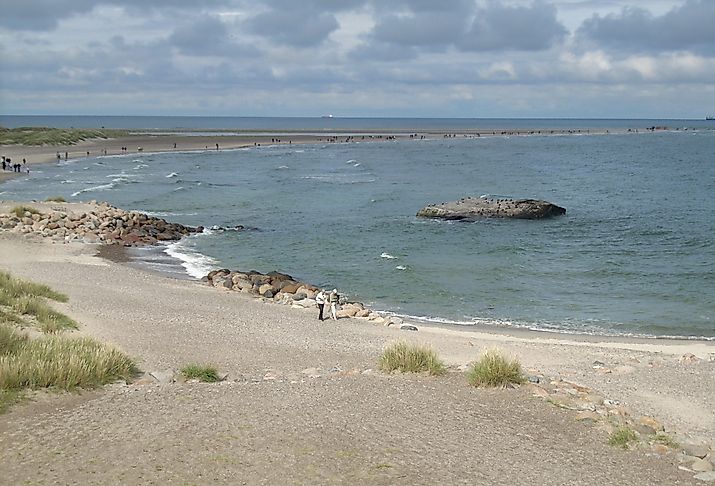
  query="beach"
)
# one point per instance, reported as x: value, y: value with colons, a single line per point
x: 304, y: 403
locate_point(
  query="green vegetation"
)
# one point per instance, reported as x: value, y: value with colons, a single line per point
x: 52, y: 136
x: 26, y: 298
x: 19, y: 288
x: 622, y: 437
x: 205, y: 373
x: 62, y: 362
x: 9, y: 398
x: 411, y: 358
x: 20, y: 211
x: 58, y: 199
x: 50, y: 361
x: 495, y: 370
x: 666, y: 440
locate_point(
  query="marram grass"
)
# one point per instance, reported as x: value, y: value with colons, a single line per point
x: 63, y: 362
x: 11, y: 341
x: 411, y: 358
x: 14, y: 288
x: 206, y: 373
x: 622, y: 437
x: 493, y: 369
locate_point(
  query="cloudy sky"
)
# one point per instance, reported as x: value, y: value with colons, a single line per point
x: 433, y: 58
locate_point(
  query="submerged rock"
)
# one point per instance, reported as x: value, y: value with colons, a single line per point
x: 470, y: 208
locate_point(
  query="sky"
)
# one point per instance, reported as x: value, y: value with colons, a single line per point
x: 362, y: 58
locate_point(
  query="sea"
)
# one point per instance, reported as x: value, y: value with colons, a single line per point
x: 634, y: 255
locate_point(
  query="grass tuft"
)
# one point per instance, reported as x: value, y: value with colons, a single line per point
x: 63, y: 362
x: 493, y: 369
x: 11, y: 341
x: 49, y: 319
x: 57, y: 199
x: 205, y: 373
x: 622, y: 437
x: 15, y: 288
x: 666, y: 440
x: 20, y: 211
x: 411, y: 358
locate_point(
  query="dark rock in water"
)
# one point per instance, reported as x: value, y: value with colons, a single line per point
x: 476, y: 208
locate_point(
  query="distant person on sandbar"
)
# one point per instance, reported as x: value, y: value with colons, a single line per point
x: 320, y: 300
x: 333, y: 299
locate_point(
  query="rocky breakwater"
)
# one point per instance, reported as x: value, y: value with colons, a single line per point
x: 92, y: 223
x: 283, y: 289
x: 472, y: 208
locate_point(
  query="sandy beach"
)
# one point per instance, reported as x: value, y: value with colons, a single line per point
x: 304, y: 404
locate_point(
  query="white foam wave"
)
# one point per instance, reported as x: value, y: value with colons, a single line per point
x: 387, y: 255
x: 103, y: 187
x: 283, y: 167
x: 196, y: 264
x: 140, y: 166
x: 67, y: 181
x: 400, y: 267
x: 351, y: 161
x: 180, y: 188
x: 173, y: 174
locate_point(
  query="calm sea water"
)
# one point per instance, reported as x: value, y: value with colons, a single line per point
x: 635, y: 253
x: 335, y: 123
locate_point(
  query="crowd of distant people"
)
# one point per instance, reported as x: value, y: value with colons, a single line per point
x: 8, y: 164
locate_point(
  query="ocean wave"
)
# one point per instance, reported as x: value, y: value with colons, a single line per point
x: 351, y: 161
x: 173, y: 174
x: 387, y: 255
x: 400, y: 267
x: 196, y: 264
x: 103, y: 187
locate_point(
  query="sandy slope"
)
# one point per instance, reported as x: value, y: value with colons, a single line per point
x: 276, y: 420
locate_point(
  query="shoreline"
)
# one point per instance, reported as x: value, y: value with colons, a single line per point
x: 121, y: 255
x: 143, y: 142
x: 291, y: 376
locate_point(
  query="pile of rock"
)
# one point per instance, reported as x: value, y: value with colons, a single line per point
x: 102, y: 223
x: 284, y: 289
x: 472, y: 208
x: 610, y: 415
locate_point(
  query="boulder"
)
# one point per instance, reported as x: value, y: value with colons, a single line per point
x: 470, y: 208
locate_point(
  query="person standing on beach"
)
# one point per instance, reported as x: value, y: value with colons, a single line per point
x: 320, y: 300
x: 333, y: 299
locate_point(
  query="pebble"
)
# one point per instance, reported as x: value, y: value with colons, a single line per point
x: 706, y: 476
x: 701, y: 465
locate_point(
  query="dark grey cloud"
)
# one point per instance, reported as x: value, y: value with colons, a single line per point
x: 293, y: 28
x: 501, y: 27
x: 687, y: 27
x: 465, y: 26
x: 45, y: 14
x: 208, y: 36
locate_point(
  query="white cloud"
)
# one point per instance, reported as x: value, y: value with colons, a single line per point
x: 358, y: 57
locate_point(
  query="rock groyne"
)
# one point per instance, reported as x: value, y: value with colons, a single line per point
x: 92, y: 223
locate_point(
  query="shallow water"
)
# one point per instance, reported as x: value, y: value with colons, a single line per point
x: 634, y: 254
